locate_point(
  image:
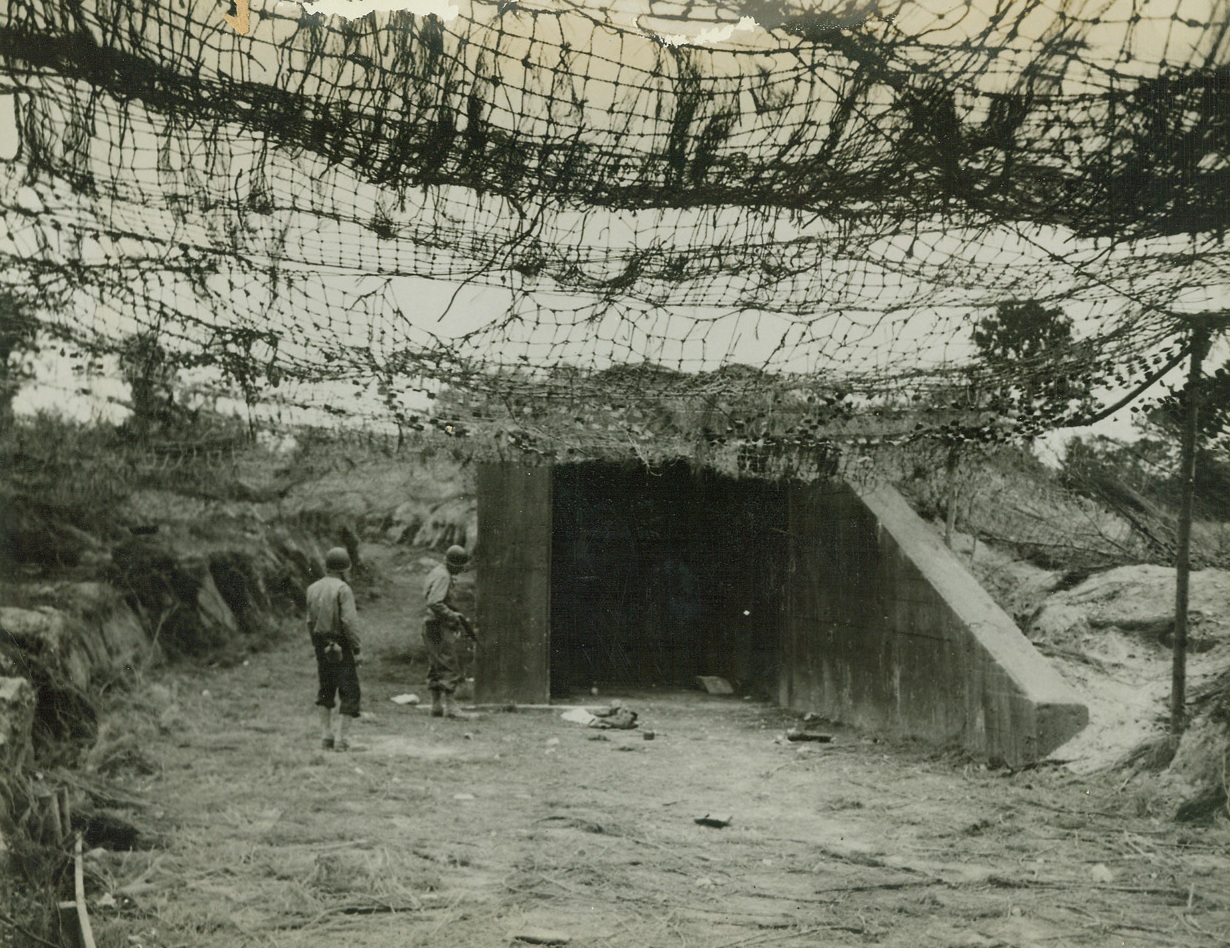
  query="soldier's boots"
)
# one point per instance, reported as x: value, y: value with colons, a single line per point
x: 437, y: 705
x: 451, y: 710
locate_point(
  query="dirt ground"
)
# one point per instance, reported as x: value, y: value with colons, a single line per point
x: 475, y: 832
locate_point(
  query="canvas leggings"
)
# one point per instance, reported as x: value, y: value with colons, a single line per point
x: 443, y: 657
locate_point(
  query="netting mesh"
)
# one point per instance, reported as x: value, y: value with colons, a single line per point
x: 592, y: 241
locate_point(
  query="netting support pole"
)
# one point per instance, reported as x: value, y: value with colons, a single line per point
x: 950, y: 514
x: 1187, y: 486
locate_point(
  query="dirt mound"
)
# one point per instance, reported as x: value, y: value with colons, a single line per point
x: 453, y: 522
x: 172, y: 592
x: 34, y: 538
x: 432, y: 527
x: 69, y: 640
x: 1138, y: 601
x: 1017, y: 586
x: 375, y: 493
x: 1191, y: 778
x: 1111, y: 635
x: 196, y: 601
x: 83, y: 632
x: 404, y: 523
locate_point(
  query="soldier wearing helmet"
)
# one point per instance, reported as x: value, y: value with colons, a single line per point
x: 332, y: 623
x: 441, y: 626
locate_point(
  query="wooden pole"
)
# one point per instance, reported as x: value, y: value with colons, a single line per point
x: 1187, y: 486
x: 83, y: 916
x: 950, y: 514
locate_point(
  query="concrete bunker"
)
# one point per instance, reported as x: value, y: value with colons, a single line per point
x: 658, y: 577
x: 827, y: 597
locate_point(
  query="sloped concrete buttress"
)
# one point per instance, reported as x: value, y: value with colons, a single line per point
x: 885, y: 629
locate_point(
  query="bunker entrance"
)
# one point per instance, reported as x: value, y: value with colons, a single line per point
x: 660, y: 576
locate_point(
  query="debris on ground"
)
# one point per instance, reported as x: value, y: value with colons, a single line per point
x: 405, y: 699
x: 541, y: 936
x: 717, y: 822
x: 615, y: 716
x: 796, y: 735
x: 715, y: 685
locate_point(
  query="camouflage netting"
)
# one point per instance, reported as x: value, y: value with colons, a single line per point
x: 594, y: 242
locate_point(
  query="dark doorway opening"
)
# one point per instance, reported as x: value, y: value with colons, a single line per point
x: 660, y: 576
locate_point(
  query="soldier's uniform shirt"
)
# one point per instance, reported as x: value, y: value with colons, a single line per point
x: 332, y: 617
x: 441, y: 622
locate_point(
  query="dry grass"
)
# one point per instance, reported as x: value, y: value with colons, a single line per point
x: 273, y: 843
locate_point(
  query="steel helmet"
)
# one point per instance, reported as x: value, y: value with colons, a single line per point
x: 337, y: 560
x: 456, y: 556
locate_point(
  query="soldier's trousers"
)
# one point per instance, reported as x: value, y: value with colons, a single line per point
x: 443, y: 657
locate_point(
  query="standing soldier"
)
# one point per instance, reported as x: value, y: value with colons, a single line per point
x: 332, y: 623
x: 441, y: 626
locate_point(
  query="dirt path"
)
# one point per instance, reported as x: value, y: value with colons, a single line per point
x: 468, y: 833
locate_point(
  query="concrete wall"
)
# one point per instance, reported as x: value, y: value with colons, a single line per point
x: 513, y: 610
x: 885, y: 629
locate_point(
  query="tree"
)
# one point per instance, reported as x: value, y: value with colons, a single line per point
x: 247, y: 358
x: 1143, y: 470
x: 1027, y: 356
x: 1022, y: 331
x: 1166, y: 414
x: 1030, y: 349
x: 150, y: 373
x: 18, y: 336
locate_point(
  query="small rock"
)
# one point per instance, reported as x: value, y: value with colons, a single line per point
x: 552, y: 742
x: 170, y: 718
x: 463, y: 796
x: 1100, y: 873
